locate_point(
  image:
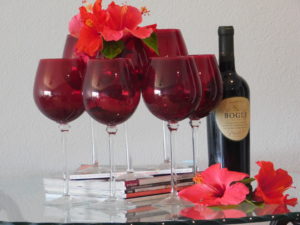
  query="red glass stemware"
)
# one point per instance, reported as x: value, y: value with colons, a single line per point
x: 172, y: 91
x: 170, y: 44
x: 57, y: 89
x: 212, y: 91
x: 58, y: 95
x: 111, y: 95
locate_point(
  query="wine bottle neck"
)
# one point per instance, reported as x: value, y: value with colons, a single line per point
x: 226, y: 52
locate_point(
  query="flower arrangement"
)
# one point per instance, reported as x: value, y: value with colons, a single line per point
x: 218, y: 186
x: 102, y: 30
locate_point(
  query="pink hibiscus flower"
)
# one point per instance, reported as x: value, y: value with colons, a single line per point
x: 218, y: 186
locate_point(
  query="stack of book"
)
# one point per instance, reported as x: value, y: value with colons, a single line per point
x: 149, y: 188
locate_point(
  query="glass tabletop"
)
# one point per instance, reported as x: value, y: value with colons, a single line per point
x: 24, y: 200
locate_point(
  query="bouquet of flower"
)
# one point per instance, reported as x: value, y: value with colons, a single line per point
x: 101, y: 31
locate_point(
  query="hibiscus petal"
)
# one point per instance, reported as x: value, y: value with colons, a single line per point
x: 197, y: 193
x: 111, y: 35
x: 141, y: 32
x: 291, y: 201
x: 212, y: 175
x: 75, y: 25
x: 235, y: 194
x: 228, y: 177
x: 200, y: 212
x: 97, y: 6
x: 116, y: 17
x: 234, y: 213
x: 132, y: 18
x: 89, y: 42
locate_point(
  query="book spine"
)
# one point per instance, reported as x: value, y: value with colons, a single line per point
x: 158, y: 179
x: 152, y: 192
x: 157, y: 187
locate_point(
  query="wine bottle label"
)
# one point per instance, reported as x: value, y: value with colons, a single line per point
x: 233, y: 117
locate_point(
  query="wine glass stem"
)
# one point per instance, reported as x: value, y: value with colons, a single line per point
x: 128, y: 154
x: 94, y: 155
x: 172, y: 128
x: 64, y: 128
x: 195, y: 125
x: 165, y: 148
x: 111, y: 130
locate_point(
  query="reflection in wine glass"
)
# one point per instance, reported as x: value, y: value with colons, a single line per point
x: 58, y: 95
x: 111, y: 95
x: 212, y: 91
x: 172, y: 90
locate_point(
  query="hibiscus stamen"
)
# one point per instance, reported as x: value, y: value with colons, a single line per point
x: 198, y: 179
x: 145, y: 11
x: 89, y: 23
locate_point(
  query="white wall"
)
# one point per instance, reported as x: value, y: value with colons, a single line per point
x: 267, y: 56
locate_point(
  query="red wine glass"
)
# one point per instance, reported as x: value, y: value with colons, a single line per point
x: 111, y: 94
x: 212, y: 91
x: 135, y: 51
x: 58, y: 95
x: 171, y: 92
x: 170, y: 43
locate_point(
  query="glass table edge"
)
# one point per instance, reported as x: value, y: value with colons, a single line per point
x: 292, y: 216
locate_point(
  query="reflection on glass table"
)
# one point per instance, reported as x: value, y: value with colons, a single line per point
x: 24, y: 200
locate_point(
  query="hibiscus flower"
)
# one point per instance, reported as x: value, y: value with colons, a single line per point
x: 112, y: 24
x: 271, y: 185
x: 90, y: 38
x: 122, y: 20
x: 217, y: 186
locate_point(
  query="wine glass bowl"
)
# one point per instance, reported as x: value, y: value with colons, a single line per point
x: 211, y: 83
x: 171, y: 91
x: 69, y: 48
x: 170, y: 43
x: 58, y: 89
x: 111, y: 92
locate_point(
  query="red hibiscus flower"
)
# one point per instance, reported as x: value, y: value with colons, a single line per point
x: 90, y: 38
x: 271, y: 185
x: 124, y: 19
x: 200, y: 212
x: 218, y: 186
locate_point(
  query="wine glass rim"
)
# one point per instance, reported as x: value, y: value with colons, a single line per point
x: 59, y: 60
x: 162, y: 58
x: 202, y: 55
x: 109, y: 60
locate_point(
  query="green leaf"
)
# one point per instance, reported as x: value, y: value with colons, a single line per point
x: 112, y: 49
x: 247, y: 181
x: 152, y: 43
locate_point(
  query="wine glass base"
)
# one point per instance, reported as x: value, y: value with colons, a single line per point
x: 174, y: 200
x: 113, y: 205
x: 66, y: 202
x: 173, y: 205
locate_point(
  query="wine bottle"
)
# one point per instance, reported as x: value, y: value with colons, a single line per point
x: 228, y: 126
